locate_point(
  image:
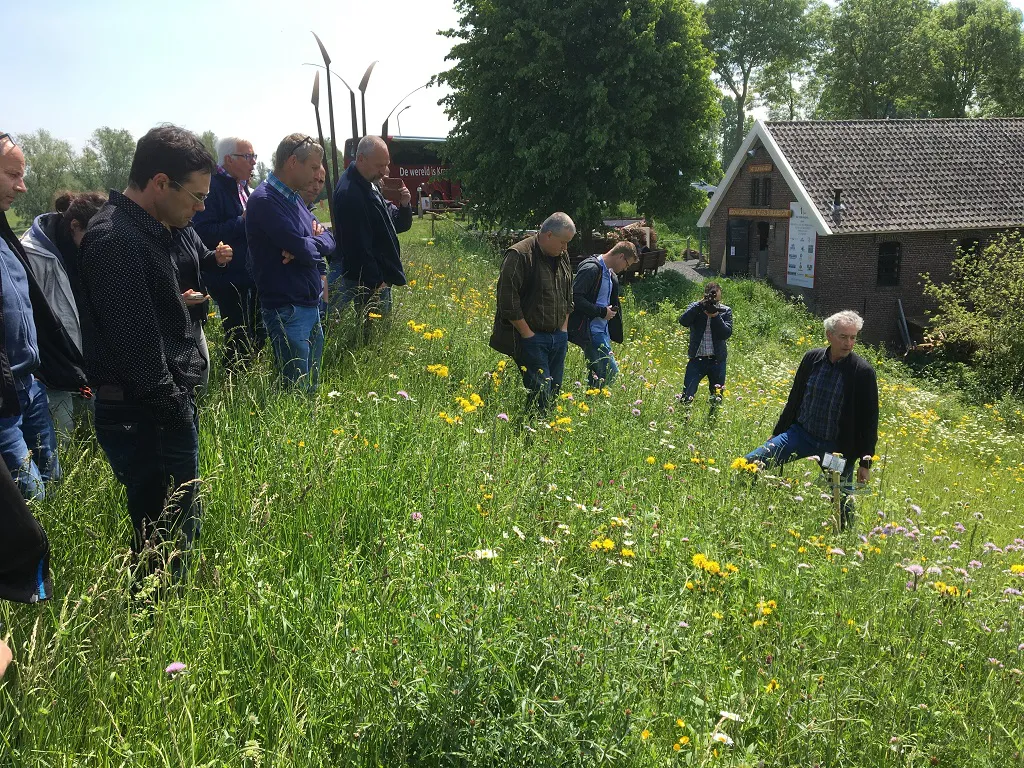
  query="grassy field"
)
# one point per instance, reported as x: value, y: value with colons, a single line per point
x: 397, y: 573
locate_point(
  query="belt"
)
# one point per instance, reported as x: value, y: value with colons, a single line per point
x: 110, y: 392
x: 707, y: 357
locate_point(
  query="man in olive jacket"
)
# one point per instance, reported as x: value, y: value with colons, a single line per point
x: 534, y: 302
x: 596, y: 319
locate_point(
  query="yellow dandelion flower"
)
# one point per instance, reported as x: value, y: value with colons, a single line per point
x: 680, y: 723
x: 650, y: 460
x: 626, y: 552
x: 773, y: 685
x: 645, y: 734
x: 668, y: 466
x: 676, y: 747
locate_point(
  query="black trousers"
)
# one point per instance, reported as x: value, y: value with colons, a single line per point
x: 244, y: 334
x: 24, y: 548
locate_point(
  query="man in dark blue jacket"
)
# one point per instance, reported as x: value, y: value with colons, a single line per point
x: 223, y: 221
x: 370, y: 252
x: 287, y: 249
x: 710, y: 324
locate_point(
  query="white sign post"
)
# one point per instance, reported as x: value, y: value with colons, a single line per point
x: 803, y: 248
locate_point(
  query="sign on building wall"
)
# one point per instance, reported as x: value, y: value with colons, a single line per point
x: 803, y: 246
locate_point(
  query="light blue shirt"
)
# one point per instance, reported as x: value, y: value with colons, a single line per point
x: 599, y: 325
x: 20, y: 326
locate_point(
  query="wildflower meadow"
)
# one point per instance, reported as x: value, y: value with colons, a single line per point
x: 403, y: 570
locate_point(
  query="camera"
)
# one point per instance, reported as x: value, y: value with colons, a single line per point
x: 710, y: 301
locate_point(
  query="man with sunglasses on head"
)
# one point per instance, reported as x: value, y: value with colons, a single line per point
x: 141, y: 355
x: 287, y: 251
x: 223, y: 221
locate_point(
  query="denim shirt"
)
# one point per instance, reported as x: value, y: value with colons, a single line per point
x: 19, y: 324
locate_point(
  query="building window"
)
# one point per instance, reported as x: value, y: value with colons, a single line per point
x: 761, y: 192
x: 889, y: 256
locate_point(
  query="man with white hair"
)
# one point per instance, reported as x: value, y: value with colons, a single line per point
x: 832, y: 407
x: 223, y: 221
x: 534, y: 302
x: 371, y: 256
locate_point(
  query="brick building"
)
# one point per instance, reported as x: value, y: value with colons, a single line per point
x: 849, y: 214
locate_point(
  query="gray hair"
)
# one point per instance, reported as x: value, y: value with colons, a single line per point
x: 368, y: 145
x: 846, y: 317
x: 299, y: 144
x: 558, y: 224
x: 227, y: 146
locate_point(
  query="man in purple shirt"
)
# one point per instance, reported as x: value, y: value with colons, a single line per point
x: 287, y: 252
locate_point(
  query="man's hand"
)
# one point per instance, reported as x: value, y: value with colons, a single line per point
x: 318, y: 228
x: 609, y: 313
x: 525, y: 332
x: 5, y: 656
x: 863, y: 474
x: 193, y: 298
x: 286, y: 257
x: 404, y: 195
x: 711, y: 314
x: 224, y: 254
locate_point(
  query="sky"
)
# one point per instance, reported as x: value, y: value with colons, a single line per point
x: 235, y: 67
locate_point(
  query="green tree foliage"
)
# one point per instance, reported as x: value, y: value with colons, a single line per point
x: 976, y: 58
x: 579, y: 105
x: 209, y: 139
x: 875, y: 59
x: 974, y: 306
x: 106, y: 160
x: 51, y: 164
x: 749, y: 37
x: 729, y: 138
x: 262, y: 171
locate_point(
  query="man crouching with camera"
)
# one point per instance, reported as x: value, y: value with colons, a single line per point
x: 710, y: 324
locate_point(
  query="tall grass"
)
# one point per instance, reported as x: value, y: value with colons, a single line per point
x: 381, y: 585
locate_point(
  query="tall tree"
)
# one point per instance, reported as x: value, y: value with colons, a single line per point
x: 579, y: 105
x: 976, y: 58
x: 106, y: 160
x: 51, y: 164
x: 747, y: 36
x: 729, y: 139
x: 260, y: 173
x: 875, y: 60
x: 209, y: 139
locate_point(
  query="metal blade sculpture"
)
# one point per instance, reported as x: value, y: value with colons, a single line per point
x: 327, y: 171
x: 362, y: 91
x: 384, y: 127
x: 330, y: 106
x: 351, y: 96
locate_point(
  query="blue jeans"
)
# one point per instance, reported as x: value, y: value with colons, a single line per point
x: 298, y: 341
x: 159, y: 468
x: 541, y: 361
x: 28, y: 441
x: 696, y: 369
x: 600, y: 360
x: 796, y: 443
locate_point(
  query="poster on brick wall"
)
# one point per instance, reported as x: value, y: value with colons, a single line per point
x: 803, y: 246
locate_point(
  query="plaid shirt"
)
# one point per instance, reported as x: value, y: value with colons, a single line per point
x: 707, y: 344
x: 823, y: 399
x: 285, y: 190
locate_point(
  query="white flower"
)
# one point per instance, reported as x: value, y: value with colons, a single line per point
x: 519, y: 533
x: 484, y: 554
x: 721, y: 738
x: 333, y: 394
x: 731, y: 716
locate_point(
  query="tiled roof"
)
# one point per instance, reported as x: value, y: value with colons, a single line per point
x: 910, y: 175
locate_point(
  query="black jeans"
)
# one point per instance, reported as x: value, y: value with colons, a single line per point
x: 159, y: 468
x: 244, y: 334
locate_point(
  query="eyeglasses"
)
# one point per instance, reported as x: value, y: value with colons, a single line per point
x: 201, y: 199
x: 250, y: 156
x: 300, y: 145
x: 6, y: 137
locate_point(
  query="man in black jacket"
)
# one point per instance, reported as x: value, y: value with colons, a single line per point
x: 710, y: 324
x: 39, y: 351
x: 371, y: 257
x: 596, y: 319
x: 832, y: 407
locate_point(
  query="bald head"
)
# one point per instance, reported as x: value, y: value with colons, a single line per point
x: 12, y: 173
x: 372, y: 158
